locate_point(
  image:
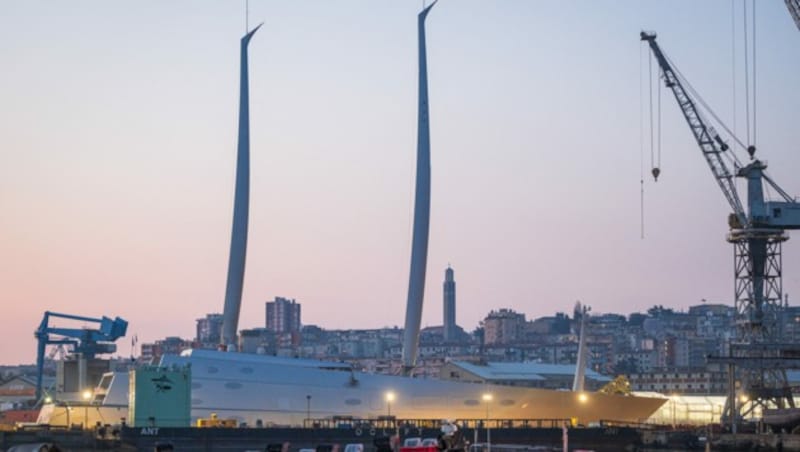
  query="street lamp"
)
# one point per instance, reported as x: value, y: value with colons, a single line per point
x: 87, y: 394
x: 389, y: 400
x: 308, y: 408
x: 488, y: 398
x: 674, y: 400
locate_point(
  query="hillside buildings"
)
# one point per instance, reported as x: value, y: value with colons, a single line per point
x: 660, y: 350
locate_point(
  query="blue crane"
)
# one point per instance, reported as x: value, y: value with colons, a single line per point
x: 85, y: 341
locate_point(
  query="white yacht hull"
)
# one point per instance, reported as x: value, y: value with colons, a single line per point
x: 281, y: 391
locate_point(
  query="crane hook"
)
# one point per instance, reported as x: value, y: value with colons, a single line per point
x: 751, y: 150
x: 656, y: 171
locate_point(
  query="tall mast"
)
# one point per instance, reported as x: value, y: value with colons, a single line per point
x: 241, y: 206
x: 422, y: 210
x: 583, y: 353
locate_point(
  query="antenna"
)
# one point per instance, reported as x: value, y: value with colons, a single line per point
x: 246, y: 16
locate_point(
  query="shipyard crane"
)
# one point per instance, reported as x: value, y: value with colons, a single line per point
x: 756, y: 233
x: 84, y: 341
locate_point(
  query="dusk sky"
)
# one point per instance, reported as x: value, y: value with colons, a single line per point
x: 118, y: 140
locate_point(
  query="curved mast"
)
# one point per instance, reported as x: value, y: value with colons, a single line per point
x: 583, y: 352
x: 241, y: 207
x: 422, y: 210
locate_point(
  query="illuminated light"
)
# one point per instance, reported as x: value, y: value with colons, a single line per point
x: 743, y: 398
x: 487, y: 397
x: 48, y: 399
x: 583, y: 398
x: 87, y: 394
x: 389, y: 400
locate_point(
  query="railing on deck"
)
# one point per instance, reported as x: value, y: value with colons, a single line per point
x: 390, y: 422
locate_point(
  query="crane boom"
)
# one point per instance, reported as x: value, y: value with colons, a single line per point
x: 707, y: 138
x: 794, y: 10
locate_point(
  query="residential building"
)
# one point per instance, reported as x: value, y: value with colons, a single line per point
x: 209, y: 331
x: 283, y: 315
x: 503, y: 327
x: 152, y: 352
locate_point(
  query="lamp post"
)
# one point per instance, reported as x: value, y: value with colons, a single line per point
x: 743, y: 399
x: 87, y: 394
x: 308, y: 408
x: 488, y: 398
x: 389, y: 400
x: 674, y: 401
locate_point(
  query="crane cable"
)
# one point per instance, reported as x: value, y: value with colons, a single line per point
x: 699, y: 98
x: 641, y: 144
x: 733, y: 63
x: 733, y: 159
x: 750, y: 46
x: 650, y: 81
x: 658, y: 154
x: 754, y: 73
x: 746, y: 75
x: 654, y: 162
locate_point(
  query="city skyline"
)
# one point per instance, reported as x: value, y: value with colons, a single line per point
x: 118, y: 138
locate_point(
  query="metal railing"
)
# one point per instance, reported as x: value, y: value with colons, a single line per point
x: 387, y: 422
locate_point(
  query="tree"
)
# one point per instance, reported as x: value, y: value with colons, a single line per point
x: 626, y: 366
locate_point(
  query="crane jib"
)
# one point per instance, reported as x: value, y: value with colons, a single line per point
x: 702, y: 133
x: 760, y: 213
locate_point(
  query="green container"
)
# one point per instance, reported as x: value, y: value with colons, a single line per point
x: 160, y: 397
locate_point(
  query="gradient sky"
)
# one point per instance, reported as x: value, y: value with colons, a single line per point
x: 118, y: 140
